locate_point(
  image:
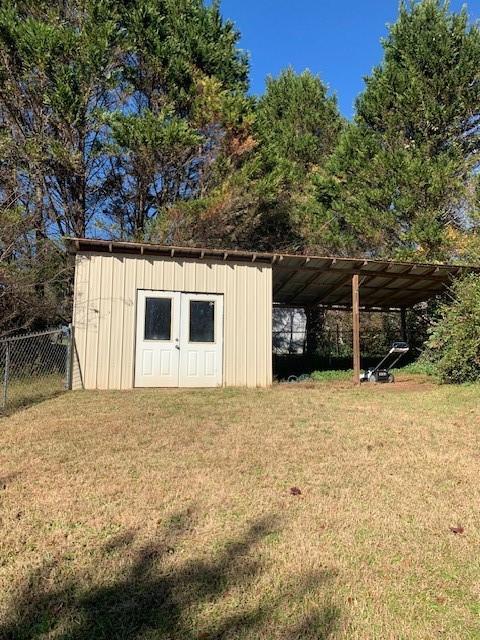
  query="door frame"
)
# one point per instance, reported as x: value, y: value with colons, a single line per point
x: 185, y: 299
x: 175, y: 296
x: 181, y: 292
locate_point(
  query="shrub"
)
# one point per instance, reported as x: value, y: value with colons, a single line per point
x: 453, y: 347
x: 324, y: 376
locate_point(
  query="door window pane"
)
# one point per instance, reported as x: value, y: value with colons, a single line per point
x: 202, y: 321
x: 158, y: 318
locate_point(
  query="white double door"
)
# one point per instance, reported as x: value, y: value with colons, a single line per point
x: 179, y: 339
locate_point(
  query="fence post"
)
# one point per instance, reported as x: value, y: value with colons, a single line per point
x: 69, y: 363
x: 5, y: 375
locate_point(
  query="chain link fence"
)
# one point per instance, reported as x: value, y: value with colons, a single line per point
x: 34, y: 367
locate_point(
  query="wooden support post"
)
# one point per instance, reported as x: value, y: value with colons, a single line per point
x: 403, y: 321
x: 356, y: 328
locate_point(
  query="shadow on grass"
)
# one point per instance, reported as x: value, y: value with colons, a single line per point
x: 27, y: 392
x: 25, y: 403
x: 153, y: 597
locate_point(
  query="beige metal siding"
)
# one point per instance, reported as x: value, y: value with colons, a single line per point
x: 105, y: 315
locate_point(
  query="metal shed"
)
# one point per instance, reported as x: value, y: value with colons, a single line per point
x: 155, y: 315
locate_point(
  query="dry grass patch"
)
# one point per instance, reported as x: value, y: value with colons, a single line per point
x: 168, y: 514
x: 31, y: 389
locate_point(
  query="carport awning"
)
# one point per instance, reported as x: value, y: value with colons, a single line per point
x: 303, y: 280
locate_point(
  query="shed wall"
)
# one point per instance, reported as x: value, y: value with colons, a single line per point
x: 104, y: 315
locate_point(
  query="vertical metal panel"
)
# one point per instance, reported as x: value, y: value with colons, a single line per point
x: 190, y: 282
x: 140, y: 273
x: 178, y: 276
x: 104, y: 323
x: 148, y: 278
x: 200, y: 280
x: 105, y: 314
x: 269, y: 325
x: 168, y: 276
x: 251, y: 327
x: 230, y: 326
x: 210, y: 277
x: 157, y: 280
x: 261, y: 329
x: 220, y: 278
x: 115, y: 362
x: 128, y: 329
x: 220, y: 287
x: 80, y: 309
x: 92, y: 323
x: 238, y: 307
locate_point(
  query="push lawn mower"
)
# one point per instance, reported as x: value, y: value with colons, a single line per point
x: 381, y: 373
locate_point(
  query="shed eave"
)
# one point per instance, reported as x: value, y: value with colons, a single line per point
x: 306, y: 280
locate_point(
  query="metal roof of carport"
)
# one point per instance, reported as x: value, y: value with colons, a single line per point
x: 304, y: 280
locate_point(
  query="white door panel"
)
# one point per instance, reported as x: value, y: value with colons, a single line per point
x: 179, y: 339
x: 201, y: 340
x: 157, y: 349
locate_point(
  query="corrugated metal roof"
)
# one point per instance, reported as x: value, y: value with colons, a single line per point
x: 303, y: 280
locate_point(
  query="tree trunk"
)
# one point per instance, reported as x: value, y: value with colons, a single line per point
x: 39, y: 231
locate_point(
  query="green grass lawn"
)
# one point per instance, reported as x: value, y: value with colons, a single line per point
x: 169, y: 514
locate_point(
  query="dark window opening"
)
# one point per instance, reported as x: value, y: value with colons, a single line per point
x: 158, y: 318
x: 202, y: 321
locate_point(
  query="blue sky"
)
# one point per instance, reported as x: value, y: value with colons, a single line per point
x: 337, y: 39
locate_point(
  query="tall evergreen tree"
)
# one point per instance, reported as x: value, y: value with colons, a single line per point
x: 297, y: 128
x: 58, y: 64
x: 182, y: 73
x: 57, y: 68
x: 263, y: 198
x: 110, y: 112
x: 402, y: 179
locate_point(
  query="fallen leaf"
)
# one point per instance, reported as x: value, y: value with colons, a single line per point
x: 295, y: 491
x: 458, y: 529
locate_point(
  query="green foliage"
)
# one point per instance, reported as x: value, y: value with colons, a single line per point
x: 184, y: 85
x: 132, y: 117
x: 264, y: 197
x: 174, y: 40
x: 110, y: 113
x: 453, y: 348
x: 332, y: 375
x: 297, y: 121
x: 58, y: 65
x: 162, y: 133
x: 93, y: 91
x: 419, y: 367
x: 400, y: 181
x: 296, y: 129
